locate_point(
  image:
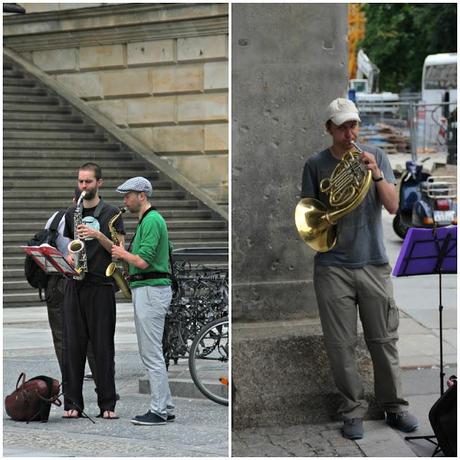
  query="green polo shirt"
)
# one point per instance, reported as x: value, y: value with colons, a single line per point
x: 151, y: 243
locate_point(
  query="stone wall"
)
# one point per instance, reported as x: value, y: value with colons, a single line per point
x: 159, y: 71
x: 288, y: 62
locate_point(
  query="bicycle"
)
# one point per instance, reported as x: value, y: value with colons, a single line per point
x: 211, y: 345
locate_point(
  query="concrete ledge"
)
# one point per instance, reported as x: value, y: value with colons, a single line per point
x: 120, y: 135
x: 281, y: 375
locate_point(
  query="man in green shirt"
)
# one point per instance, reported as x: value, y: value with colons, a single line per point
x: 150, y: 282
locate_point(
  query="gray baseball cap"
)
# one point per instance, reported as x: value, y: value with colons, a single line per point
x: 136, y: 184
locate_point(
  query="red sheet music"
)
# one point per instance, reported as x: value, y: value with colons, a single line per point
x: 49, y: 259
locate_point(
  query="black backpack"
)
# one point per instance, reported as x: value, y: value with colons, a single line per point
x: 35, y: 276
x: 443, y: 419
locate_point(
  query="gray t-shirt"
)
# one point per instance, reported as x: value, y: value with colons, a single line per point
x: 359, y: 233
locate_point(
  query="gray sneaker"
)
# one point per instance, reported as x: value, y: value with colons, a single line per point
x: 352, y: 428
x: 402, y: 421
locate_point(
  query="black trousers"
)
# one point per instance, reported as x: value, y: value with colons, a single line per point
x: 88, y: 316
x: 54, y: 295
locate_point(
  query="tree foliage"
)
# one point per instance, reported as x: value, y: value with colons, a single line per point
x: 400, y: 35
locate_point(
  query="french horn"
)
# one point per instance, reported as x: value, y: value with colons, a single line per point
x: 347, y: 187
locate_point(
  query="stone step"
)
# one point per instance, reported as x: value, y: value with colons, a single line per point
x: 112, y: 172
x: 53, y: 204
x: 185, y: 237
x: 43, y: 215
x: 21, y: 89
x: 53, y: 136
x: 109, y: 193
x: 12, y: 247
x: 81, y: 154
x: 173, y: 224
x: 23, y: 82
x: 40, y: 108
x: 45, y: 126
x: 69, y: 184
x: 55, y: 118
x: 85, y: 144
x: 20, y: 99
x: 13, y: 73
x: 62, y: 167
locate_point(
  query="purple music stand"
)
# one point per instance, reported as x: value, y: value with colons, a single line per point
x: 429, y: 252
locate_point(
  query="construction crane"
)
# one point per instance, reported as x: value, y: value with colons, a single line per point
x: 356, y: 32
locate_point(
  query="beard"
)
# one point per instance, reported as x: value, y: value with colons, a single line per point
x: 90, y: 194
x: 134, y: 208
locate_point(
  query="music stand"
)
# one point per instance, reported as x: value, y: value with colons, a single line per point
x: 429, y: 252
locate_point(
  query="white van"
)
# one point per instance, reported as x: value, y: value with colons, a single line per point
x: 439, y: 77
x: 439, y: 86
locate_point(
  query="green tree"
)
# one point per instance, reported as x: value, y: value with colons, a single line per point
x: 400, y: 35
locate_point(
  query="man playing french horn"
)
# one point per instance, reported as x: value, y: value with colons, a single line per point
x: 89, y: 299
x: 343, y: 223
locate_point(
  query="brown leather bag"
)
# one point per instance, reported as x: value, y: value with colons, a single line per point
x: 32, y: 399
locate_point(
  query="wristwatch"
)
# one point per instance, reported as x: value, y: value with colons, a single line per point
x: 378, y: 179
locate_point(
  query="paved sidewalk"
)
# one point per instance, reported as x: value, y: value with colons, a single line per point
x: 200, y: 430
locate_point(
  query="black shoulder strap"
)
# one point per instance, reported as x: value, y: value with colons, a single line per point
x: 55, y: 222
x: 98, y: 209
x: 137, y: 226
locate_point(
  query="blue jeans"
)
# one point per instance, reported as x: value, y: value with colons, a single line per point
x: 151, y: 303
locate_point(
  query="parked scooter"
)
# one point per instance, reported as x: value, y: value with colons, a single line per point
x: 424, y: 200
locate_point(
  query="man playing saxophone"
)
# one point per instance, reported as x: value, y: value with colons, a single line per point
x: 354, y: 275
x: 89, y: 298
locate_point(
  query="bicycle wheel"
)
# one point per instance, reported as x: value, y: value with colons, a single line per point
x: 208, y: 361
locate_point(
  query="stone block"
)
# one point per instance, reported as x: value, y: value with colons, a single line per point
x: 100, y: 57
x: 203, y: 170
x: 202, y: 48
x: 151, y: 110
x: 142, y: 134
x: 216, y: 138
x: 85, y: 84
x: 114, y: 110
x: 127, y: 82
x: 281, y: 375
x: 178, y: 139
x: 27, y: 55
x: 56, y: 60
x: 202, y: 107
x: 150, y: 52
x: 177, y: 79
x: 215, y: 76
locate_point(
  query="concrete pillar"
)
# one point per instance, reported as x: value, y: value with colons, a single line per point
x: 288, y: 62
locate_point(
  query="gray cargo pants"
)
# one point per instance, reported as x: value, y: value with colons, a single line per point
x: 342, y: 292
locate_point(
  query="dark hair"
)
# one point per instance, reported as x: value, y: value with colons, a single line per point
x: 92, y: 167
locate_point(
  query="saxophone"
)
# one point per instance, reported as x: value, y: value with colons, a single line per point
x: 77, y: 246
x: 112, y: 269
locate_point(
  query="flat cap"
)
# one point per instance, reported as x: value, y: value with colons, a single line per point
x: 136, y: 184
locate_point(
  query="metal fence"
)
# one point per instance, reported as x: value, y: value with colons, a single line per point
x: 431, y: 127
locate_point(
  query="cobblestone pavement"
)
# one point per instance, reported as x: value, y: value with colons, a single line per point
x: 322, y: 440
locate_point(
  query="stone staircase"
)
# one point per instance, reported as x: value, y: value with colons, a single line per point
x: 45, y: 140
